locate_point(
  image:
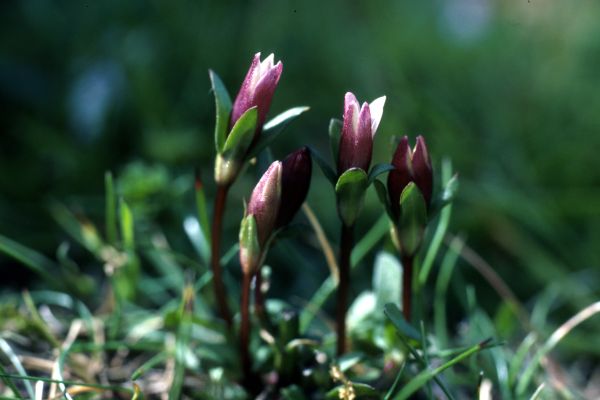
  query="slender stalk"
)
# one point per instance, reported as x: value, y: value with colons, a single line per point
x: 245, y: 328
x: 259, y: 299
x: 215, y: 264
x: 346, y: 243
x: 407, y: 277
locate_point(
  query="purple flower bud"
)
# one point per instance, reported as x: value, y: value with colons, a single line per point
x: 411, y: 166
x: 295, y: 180
x: 265, y: 201
x: 360, y: 125
x: 257, y: 89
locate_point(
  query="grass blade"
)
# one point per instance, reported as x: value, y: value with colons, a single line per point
x: 37, y: 262
x: 110, y: 212
x: 422, y: 378
x: 552, y: 341
x: 14, y: 360
x: 440, y: 231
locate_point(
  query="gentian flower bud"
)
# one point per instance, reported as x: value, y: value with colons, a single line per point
x: 257, y: 89
x: 411, y: 166
x: 261, y: 214
x: 358, y: 130
x: 295, y: 180
x: 265, y: 201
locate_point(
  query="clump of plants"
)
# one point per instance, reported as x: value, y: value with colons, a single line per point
x: 145, y: 318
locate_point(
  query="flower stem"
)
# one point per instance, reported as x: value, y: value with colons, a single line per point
x: 245, y: 328
x: 217, y: 227
x: 346, y: 243
x: 407, y: 277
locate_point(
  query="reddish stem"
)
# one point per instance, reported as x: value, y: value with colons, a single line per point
x: 346, y: 243
x: 217, y: 227
x: 407, y: 273
x: 245, y: 328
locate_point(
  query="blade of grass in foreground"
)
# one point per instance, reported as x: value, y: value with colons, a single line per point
x: 30, y: 258
x: 361, y: 249
x: 7, y: 379
x: 552, y: 341
x: 422, y: 378
x: 14, y: 360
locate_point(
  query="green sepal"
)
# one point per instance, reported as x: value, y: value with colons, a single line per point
x: 323, y: 165
x: 241, y: 135
x: 223, y: 110
x: 335, y: 132
x: 249, y: 246
x: 273, y: 128
x: 229, y: 162
x: 413, y: 218
x: 350, y: 190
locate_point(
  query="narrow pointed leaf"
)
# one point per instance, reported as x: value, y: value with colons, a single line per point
x: 111, y: 209
x: 273, y: 128
x: 362, y: 391
x: 395, y: 315
x: 383, y: 197
x: 379, y: 169
x: 223, y: 110
x: 323, y: 165
x: 350, y: 190
x: 335, y: 132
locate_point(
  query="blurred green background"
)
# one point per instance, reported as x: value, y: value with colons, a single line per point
x: 508, y: 90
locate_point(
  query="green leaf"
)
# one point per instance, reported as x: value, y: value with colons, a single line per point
x: 325, y: 168
x: 37, y: 262
x: 335, y: 132
x: 111, y: 208
x: 425, y: 376
x: 379, y: 169
x: 127, y: 226
x: 350, y: 189
x: 273, y: 128
x: 441, y: 228
x: 382, y: 195
x: 241, y: 136
x: 387, y: 279
x: 395, y: 315
x: 413, y: 218
x: 223, y: 110
x: 362, y: 391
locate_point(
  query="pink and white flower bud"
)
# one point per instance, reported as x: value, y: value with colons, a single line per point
x: 358, y: 130
x: 265, y: 201
x: 257, y: 89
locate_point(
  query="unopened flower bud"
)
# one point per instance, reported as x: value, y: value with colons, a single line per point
x: 411, y: 165
x: 265, y: 201
x: 257, y: 89
x: 295, y: 180
x: 358, y: 130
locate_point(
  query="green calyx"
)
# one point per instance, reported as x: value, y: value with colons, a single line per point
x: 411, y: 224
x: 230, y: 159
x: 350, y: 190
x: 249, y: 246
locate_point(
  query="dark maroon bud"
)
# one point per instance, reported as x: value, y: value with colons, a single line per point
x: 296, y: 170
x: 411, y: 166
